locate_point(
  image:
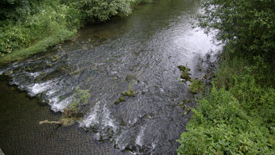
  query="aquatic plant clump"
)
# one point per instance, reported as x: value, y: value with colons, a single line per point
x: 80, y: 99
x: 129, y: 93
x: 196, y: 86
x: 121, y: 99
x: 184, y: 75
x: 72, y: 113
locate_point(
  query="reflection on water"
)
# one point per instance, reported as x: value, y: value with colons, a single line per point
x: 147, y: 46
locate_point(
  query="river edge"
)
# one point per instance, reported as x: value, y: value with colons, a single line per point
x: 56, y: 39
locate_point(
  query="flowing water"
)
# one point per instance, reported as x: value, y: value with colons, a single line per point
x: 146, y: 46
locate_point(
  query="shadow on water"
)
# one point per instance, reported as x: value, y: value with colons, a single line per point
x: 146, y: 46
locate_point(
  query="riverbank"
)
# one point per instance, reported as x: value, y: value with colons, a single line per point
x: 44, y: 24
x: 237, y: 115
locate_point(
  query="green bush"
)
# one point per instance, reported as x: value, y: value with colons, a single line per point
x: 196, y: 86
x: 221, y: 126
x: 52, y: 22
x: 247, y: 27
x: 102, y: 10
x: 15, y: 9
x: 31, y: 26
x: 238, y: 116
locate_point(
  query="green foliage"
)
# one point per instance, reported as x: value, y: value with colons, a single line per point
x: 102, y: 10
x: 14, y: 9
x: 120, y: 99
x: 31, y: 26
x: 247, y: 27
x: 184, y: 73
x: 222, y: 126
x: 130, y: 93
x: 196, y: 86
x: 237, y: 117
x: 51, y: 22
x: 80, y: 99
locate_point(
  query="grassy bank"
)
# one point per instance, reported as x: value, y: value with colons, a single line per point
x: 31, y: 26
x: 238, y: 114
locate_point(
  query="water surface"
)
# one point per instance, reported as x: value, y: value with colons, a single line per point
x: 146, y: 46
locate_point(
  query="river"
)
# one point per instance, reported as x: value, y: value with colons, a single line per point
x: 146, y: 46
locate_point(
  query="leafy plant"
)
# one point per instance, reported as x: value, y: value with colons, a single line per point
x: 102, y: 10
x: 196, y: 86
x: 50, y: 22
x: 221, y: 126
x: 247, y: 27
x: 31, y: 26
x: 237, y: 116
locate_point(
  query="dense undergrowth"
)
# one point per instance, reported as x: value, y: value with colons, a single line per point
x: 238, y: 114
x: 31, y: 26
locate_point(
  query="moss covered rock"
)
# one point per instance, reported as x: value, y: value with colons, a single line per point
x: 184, y: 74
x: 121, y: 99
x: 129, y: 93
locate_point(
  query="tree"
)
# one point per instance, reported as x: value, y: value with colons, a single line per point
x: 102, y: 10
x: 247, y: 27
x: 14, y: 9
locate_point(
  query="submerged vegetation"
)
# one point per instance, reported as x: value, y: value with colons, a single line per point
x: 74, y: 111
x: 196, y: 86
x: 237, y: 116
x: 31, y: 26
x: 129, y: 93
x: 120, y: 99
x: 79, y: 101
x: 184, y: 73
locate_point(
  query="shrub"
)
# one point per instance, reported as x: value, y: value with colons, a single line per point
x: 221, y: 126
x: 102, y: 10
x: 247, y: 27
x: 51, y: 22
x: 31, y: 26
x: 196, y: 86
